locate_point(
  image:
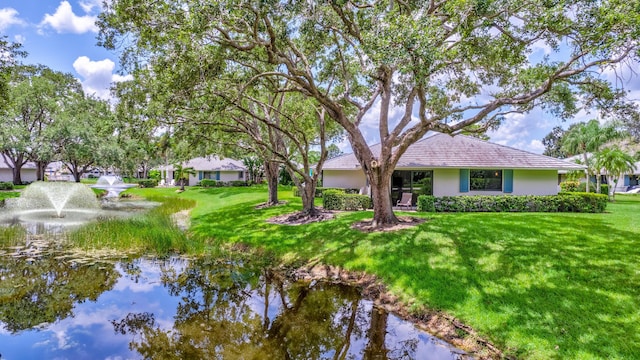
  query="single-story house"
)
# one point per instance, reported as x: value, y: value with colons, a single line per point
x: 27, y: 173
x: 625, y: 181
x: 629, y: 180
x: 444, y: 165
x: 210, y: 167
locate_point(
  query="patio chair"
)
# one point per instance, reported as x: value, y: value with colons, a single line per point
x: 405, y: 200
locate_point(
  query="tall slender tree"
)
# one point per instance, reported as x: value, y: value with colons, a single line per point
x: 615, y: 162
x: 409, y: 67
x: 586, y: 139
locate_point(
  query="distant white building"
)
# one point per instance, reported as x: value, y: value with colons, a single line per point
x: 28, y: 173
x: 211, y: 167
x: 625, y: 181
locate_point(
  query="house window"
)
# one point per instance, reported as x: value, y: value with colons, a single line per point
x: 240, y: 175
x: 485, y: 180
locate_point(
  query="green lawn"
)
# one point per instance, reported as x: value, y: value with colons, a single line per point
x: 8, y: 194
x: 539, y: 286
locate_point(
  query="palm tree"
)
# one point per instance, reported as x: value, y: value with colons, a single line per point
x: 182, y: 174
x: 615, y: 162
x: 588, y: 138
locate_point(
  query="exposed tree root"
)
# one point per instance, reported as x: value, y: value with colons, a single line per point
x: 301, y: 217
x: 267, y: 205
x: 404, y: 222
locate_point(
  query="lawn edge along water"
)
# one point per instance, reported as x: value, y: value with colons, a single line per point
x: 538, y: 285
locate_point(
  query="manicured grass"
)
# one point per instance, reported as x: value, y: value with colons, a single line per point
x: 8, y: 194
x: 539, y: 286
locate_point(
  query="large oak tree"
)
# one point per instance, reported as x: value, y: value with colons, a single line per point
x: 438, y: 65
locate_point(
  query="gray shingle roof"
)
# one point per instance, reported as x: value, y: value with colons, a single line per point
x: 460, y: 151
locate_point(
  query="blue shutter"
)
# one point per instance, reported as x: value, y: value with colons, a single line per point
x: 199, y: 175
x: 218, y: 175
x: 626, y: 180
x: 507, y: 178
x: 464, y: 180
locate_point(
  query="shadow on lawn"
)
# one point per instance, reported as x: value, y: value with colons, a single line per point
x: 567, y: 284
x: 563, y: 282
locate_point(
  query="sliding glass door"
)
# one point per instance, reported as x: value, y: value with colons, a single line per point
x: 417, y: 182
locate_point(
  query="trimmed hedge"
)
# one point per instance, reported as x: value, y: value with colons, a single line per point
x: 147, y: 183
x: 321, y: 190
x: 333, y: 199
x: 6, y: 185
x: 569, y: 186
x: 208, y: 183
x: 564, y: 202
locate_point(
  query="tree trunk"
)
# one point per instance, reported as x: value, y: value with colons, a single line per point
x: 308, y: 194
x: 612, y: 187
x: 598, y: 182
x: 271, y: 169
x: 40, y: 170
x: 376, y: 348
x: 381, y: 193
x: 17, y: 177
x: 586, y: 162
x: 16, y: 169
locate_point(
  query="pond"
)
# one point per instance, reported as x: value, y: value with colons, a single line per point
x: 56, y: 305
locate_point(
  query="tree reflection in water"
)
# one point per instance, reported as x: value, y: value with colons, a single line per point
x: 229, y: 312
x: 44, y: 291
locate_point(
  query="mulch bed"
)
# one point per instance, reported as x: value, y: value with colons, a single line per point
x: 300, y: 218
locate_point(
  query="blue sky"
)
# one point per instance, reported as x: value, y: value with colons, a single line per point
x: 62, y: 36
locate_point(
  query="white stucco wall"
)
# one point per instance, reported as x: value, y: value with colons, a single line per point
x: 446, y: 182
x: 346, y: 179
x: 27, y: 175
x: 535, y: 182
x: 224, y: 176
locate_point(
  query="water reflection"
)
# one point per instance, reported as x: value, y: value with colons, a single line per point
x: 204, y: 309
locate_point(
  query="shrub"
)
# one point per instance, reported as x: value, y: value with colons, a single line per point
x: 332, y: 199
x: 569, y: 186
x: 354, y: 202
x: 6, y: 186
x: 147, y: 183
x: 154, y: 174
x: 321, y: 190
x: 584, y: 202
x: 426, y: 203
x: 565, y: 202
x: 207, y: 183
x: 604, y: 188
x: 339, y: 200
x: 238, y: 183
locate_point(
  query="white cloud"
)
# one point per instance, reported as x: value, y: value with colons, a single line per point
x: 535, y: 146
x: 8, y: 18
x: 89, y: 5
x: 20, y: 39
x: 65, y: 21
x: 97, y: 75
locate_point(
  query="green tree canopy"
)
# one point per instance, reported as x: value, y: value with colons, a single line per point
x: 37, y: 98
x: 444, y: 65
x: 615, y: 162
